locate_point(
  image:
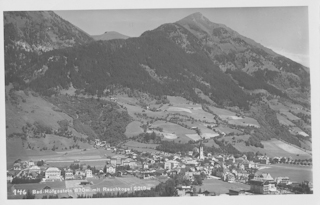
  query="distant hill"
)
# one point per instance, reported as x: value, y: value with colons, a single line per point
x: 194, y: 58
x: 29, y: 34
x: 173, y: 59
x: 232, y: 51
x: 109, y: 35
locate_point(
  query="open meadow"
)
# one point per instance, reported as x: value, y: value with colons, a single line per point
x: 283, y: 120
x: 173, y: 131
x: 141, y: 147
x: 275, y: 148
x: 294, y: 172
x: 220, y: 187
x: 233, y: 118
x: 123, y: 182
x: 133, y: 129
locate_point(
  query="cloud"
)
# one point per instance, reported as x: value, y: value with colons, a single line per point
x: 300, y: 58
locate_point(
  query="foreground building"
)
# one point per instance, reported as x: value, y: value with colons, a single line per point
x: 263, y: 187
x: 53, y: 173
x: 69, y: 175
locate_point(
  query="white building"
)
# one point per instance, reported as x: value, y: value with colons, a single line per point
x: 35, y: 169
x: 111, y: 169
x: 53, y: 173
x: 69, y: 175
x: 88, y: 173
x: 170, y: 164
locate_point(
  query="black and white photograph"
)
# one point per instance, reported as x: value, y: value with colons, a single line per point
x: 137, y: 101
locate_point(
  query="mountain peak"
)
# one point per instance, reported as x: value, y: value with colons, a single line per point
x: 195, y: 17
x: 109, y: 35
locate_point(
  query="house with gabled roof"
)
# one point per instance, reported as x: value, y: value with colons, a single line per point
x: 9, y: 177
x: 88, y: 173
x: 264, y: 177
x: 282, y: 180
x: 151, y: 161
x: 111, y: 169
x: 126, y: 162
x: 239, y: 160
x: 183, y: 190
x: 220, y: 158
x: 17, y: 166
x: 53, y: 173
x: 230, y: 160
x: 250, y: 165
x: 30, y: 163
x: 145, y: 166
x: 68, y: 174
x: 35, y: 169
x: 229, y: 177
x: 170, y: 164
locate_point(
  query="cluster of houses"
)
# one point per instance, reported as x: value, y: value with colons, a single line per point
x: 161, y: 164
x: 226, y: 167
x: 28, y: 170
x: 24, y: 169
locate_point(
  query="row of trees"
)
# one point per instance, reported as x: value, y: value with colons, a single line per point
x: 147, y: 138
x: 172, y: 147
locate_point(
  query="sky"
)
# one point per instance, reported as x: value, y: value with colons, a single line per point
x: 283, y: 29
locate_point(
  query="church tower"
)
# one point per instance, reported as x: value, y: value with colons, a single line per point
x: 201, y: 156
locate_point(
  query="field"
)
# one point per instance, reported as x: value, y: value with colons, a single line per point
x: 123, y: 182
x: 184, y: 134
x: 141, y: 147
x: 290, y: 116
x: 295, y: 173
x: 59, y: 142
x: 240, y: 137
x: 277, y: 106
x: 227, y: 130
x: 211, y: 143
x: 283, y: 120
x: 194, y: 137
x: 232, y: 118
x: 133, y: 129
x: 275, y: 148
x: 16, y: 150
x: 32, y: 109
x: 186, y: 107
x: 220, y: 187
x: 221, y: 112
x: 25, y: 107
x: 286, y: 106
x: 195, y: 112
x: 172, y: 128
x: 92, y: 156
x: 244, y: 122
x: 173, y: 131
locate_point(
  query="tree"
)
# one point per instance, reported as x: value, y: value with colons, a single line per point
x: 194, y: 190
x: 197, y: 180
x: 40, y: 163
x: 63, y: 173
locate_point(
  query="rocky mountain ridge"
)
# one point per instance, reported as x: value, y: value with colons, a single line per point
x: 109, y: 35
